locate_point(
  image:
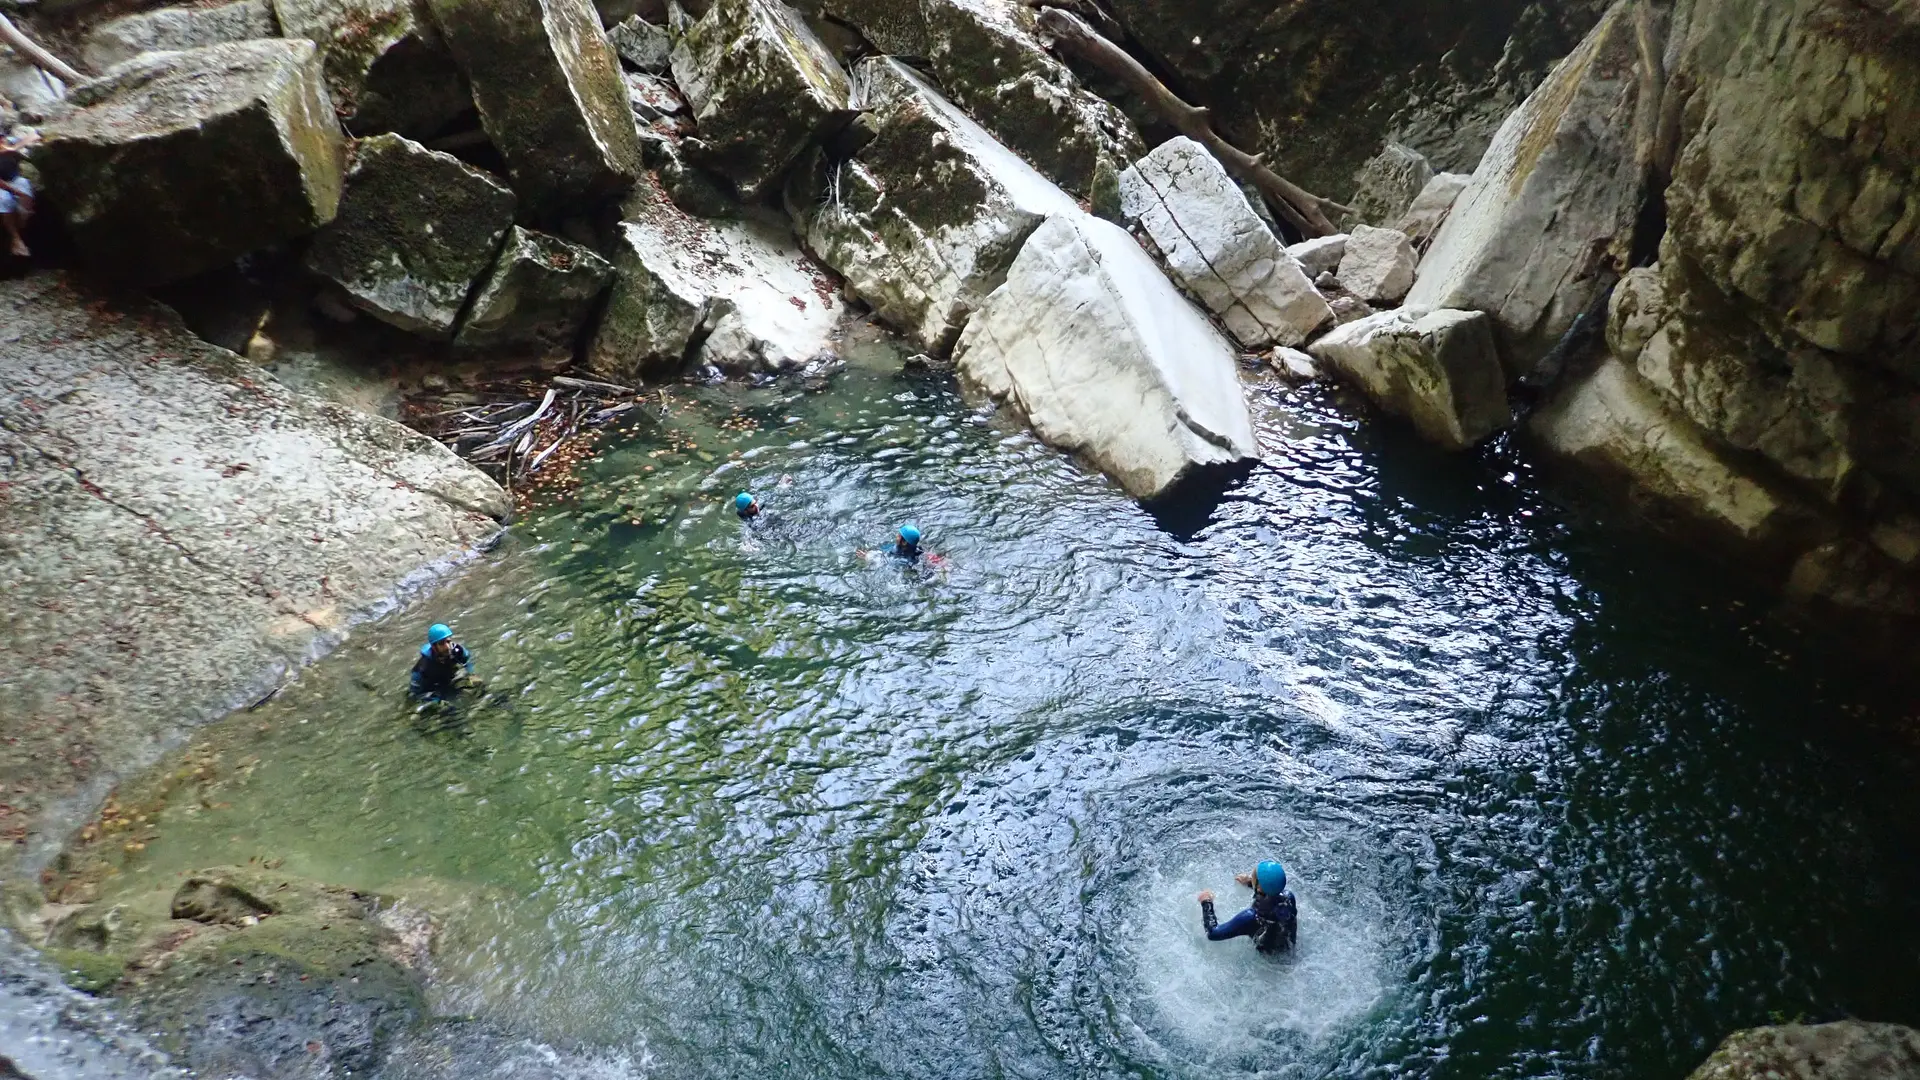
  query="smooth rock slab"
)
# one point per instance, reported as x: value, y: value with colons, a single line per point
x: 1378, y: 265
x: 924, y: 223
x: 538, y: 294
x: 1218, y: 249
x: 175, y: 29
x: 180, y: 531
x: 548, y: 89
x: 1438, y: 369
x: 1092, y: 346
x: 737, y: 294
x: 416, y: 228
x: 175, y: 163
x: 763, y: 88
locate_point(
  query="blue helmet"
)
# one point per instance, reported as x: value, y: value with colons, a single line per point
x: 742, y: 500
x: 1271, y: 877
x: 910, y: 533
x: 438, y: 633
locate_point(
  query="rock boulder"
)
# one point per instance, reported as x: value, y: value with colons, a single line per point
x: 178, y: 162
x: 643, y: 45
x: 537, y: 295
x: 1218, y: 249
x: 924, y: 222
x: 386, y: 66
x: 1321, y: 255
x: 763, y: 88
x: 737, y: 294
x: 1548, y: 221
x: 1845, y: 1050
x: 1439, y: 369
x: 1431, y: 207
x: 1388, y: 183
x: 175, y: 29
x: 416, y: 228
x: 1378, y: 265
x: 1091, y: 345
x: 548, y: 89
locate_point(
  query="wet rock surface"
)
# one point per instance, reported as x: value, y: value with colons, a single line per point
x: 416, y: 229
x: 1218, y: 250
x: 182, y: 530
x: 1844, y: 1050
x: 175, y: 163
x: 1089, y: 344
x: 386, y: 66
x: 924, y: 222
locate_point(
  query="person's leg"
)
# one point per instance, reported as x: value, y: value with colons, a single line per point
x: 12, y: 218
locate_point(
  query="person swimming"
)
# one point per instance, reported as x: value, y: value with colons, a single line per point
x: 746, y: 506
x: 1273, y: 920
x: 906, y: 543
x: 442, y: 665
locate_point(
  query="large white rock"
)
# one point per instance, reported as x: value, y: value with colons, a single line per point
x: 1431, y: 207
x: 1218, y: 249
x: 1320, y: 255
x: 1438, y: 369
x: 924, y: 222
x: 1378, y: 264
x: 1538, y: 235
x: 737, y: 294
x: 1091, y: 344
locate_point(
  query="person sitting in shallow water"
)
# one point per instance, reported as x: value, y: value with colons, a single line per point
x: 1273, y: 919
x: 443, y: 664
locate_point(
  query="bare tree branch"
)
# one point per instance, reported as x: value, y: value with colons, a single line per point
x: 1302, y: 209
x: 40, y: 57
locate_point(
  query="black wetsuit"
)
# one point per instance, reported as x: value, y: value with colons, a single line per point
x: 900, y: 549
x: 1272, y: 922
x: 435, y: 674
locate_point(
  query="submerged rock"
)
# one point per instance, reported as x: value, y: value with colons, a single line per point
x: 1089, y: 344
x: 1548, y: 221
x: 549, y: 93
x: 537, y: 296
x: 925, y: 221
x: 763, y: 88
x: 174, y: 29
x: 181, y: 530
x: 1439, y: 369
x: 416, y: 228
x: 386, y: 66
x: 177, y: 162
x: 1378, y: 265
x: 737, y: 294
x: 1218, y: 249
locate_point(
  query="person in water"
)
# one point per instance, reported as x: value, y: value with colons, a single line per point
x: 1273, y: 919
x: 906, y: 544
x: 442, y: 665
x: 746, y: 506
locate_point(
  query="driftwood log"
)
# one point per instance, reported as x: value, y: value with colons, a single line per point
x: 1301, y: 208
x: 19, y: 42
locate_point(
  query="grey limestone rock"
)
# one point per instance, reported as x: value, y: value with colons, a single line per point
x: 537, y: 295
x: 177, y: 162
x: 1388, y: 183
x: 1320, y: 255
x: 1378, y: 265
x: 1438, y: 369
x: 1430, y: 208
x: 416, y: 228
x: 172, y: 29
x: 643, y: 45
x: 386, y: 66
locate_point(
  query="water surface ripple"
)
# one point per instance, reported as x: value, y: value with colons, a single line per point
x: 740, y: 800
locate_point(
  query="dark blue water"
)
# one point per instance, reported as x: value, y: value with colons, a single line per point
x: 1555, y: 802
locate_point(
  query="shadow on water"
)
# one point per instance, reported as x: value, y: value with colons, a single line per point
x: 738, y: 798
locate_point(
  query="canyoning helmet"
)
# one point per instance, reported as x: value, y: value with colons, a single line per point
x: 742, y: 500
x: 1271, y: 877
x: 910, y: 533
x: 438, y: 633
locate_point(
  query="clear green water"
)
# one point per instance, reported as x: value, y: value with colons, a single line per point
x: 739, y: 800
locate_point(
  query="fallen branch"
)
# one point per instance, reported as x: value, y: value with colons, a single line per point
x: 570, y: 383
x: 41, y: 58
x: 1301, y: 208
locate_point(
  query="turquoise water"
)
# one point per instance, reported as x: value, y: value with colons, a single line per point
x: 1554, y: 803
